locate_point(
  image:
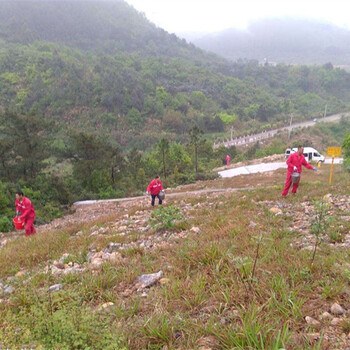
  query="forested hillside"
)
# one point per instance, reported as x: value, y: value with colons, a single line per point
x: 95, y: 100
x: 282, y: 40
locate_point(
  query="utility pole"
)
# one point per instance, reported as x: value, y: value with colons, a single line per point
x: 325, y: 111
x: 290, y: 126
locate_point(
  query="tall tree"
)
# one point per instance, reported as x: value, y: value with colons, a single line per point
x: 6, y: 152
x: 163, y: 149
x: 90, y: 156
x: 29, y: 136
x: 195, y: 138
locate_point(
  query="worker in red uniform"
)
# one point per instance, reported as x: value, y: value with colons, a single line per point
x: 295, y: 162
x: 26, y: 212
x: 228, y: 160
x: 154, y: 187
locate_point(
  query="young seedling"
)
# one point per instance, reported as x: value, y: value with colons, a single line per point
x: 319, y: 225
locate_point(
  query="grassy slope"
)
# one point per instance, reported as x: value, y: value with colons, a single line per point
x: 210, y: 298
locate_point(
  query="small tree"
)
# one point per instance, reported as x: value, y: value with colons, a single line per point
x: 346, y: 151
x: 165, y: 217
x: 319, y: 225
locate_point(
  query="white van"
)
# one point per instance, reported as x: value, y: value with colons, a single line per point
x: 309, y: 154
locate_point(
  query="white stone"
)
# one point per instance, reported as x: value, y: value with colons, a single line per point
x: 105, y: 307
x: 195, y: 229
x: 311, y: 321
x: 148, y: 280
x: 336, y: 321
x: 96, y: 263
x: 275, y: 210
x: 326, y: 316
x: 336, y: 309
x: 55, y: 288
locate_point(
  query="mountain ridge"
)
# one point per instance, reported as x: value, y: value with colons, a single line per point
x: 284, y: 40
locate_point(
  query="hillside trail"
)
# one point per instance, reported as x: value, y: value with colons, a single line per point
x: 98, y: 210
x: 102, y: 209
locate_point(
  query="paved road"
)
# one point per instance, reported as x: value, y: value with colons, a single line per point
x: 336, y: 161
x: 243, y: 170
x: 264, y: 167
x: 252, y: 169
x: 244, y: 140
x: 176, y: 194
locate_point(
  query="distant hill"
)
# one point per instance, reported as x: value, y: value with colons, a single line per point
x: 108, y: 26
x: 89, y: 88
x: 293, y: 41
x: 102, y: 67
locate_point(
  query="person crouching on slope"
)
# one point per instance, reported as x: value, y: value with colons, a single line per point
x: 154, y: 187
x: 26, y: 212
x: 295, y: 162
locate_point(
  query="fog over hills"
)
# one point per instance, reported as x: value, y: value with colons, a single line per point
x: 97, y: 26
x: 295, y: 41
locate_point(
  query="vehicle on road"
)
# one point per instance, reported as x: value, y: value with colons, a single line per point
x: 309, y: 154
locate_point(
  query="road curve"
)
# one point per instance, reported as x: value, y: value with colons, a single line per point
x: 244, y: 140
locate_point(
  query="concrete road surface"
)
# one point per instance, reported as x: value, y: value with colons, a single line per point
x: 252, y: 169
x: 264, y: 167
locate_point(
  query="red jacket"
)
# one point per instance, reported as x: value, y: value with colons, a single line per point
x: 25, y: 208
x: 155, y: 186
x: 296, y: 160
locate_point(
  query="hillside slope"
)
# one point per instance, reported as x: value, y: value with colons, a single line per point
x: 225, y: 271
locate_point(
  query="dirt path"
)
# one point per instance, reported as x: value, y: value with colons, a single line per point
x: 95, y: 211
x: 92, y: 211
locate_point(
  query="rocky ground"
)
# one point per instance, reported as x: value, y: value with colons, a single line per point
x: 331, y: 323
x: 303, y: 213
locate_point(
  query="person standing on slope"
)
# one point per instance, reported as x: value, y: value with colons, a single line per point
x: 26, y: 212
x: 295, y: 162
x: 228, y: 158
x: 154, y: 187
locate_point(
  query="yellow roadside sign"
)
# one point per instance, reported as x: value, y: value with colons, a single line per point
x: 334, y: 151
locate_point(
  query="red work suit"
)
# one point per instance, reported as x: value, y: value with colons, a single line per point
x: 154, y: 187
x: 27, y: 214
x: 294, y: 160
x: 228, y: 160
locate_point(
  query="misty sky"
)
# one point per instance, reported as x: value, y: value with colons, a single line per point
x: 178, y: 16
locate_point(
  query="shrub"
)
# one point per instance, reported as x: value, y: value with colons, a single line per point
x: 60, y: 324
x: 207, y: 176
x: 164, y: 217
x: 5, y: 224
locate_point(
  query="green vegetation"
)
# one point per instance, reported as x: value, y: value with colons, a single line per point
x: 242, y: 282
x: 97, y: 113
x: 346, y: 151
x: 59, y: 322
x: 94, y: 102
x: 165, y: 217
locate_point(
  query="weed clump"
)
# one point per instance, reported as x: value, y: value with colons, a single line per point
x: 165, y: 217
